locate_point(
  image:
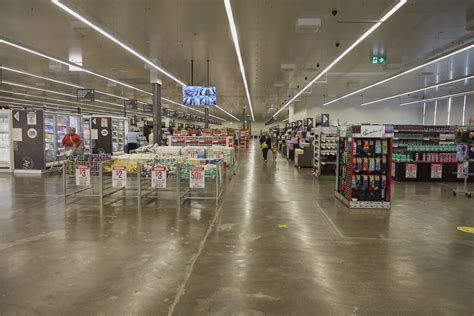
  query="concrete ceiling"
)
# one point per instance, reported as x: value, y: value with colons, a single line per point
x: 174, y: 32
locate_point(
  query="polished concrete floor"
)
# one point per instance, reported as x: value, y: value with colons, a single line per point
x: 278, y: 244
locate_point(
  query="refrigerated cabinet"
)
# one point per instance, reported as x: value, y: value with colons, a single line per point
x: 6, y: 148
x: 55, y: 128
x: 104, y: 134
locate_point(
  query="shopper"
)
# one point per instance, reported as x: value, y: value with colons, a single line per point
x: 72, y: 141
x: 146, y: 131
x: 274, y: 152
x: 265, y: 144
x: 132, y: 138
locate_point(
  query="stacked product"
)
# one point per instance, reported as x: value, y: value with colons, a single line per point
x: 325, y: 150
x: 364, y: 158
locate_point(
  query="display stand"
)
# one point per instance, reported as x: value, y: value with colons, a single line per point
x: 244, y: 139
x: 363, y: 166
x: 223, y: 140
x: 325, y: 151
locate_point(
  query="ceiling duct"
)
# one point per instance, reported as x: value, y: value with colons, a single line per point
x: 308, y: 25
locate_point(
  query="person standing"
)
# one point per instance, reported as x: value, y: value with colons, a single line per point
x: 132, y: 138
x: 265, y: 144
x: 146, y: 131
x: 71, y: 141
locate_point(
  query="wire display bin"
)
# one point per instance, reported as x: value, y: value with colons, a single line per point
x: 205, y: 179
x: 82, y: 175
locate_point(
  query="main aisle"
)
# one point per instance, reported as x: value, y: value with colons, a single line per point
x: 278, y: 244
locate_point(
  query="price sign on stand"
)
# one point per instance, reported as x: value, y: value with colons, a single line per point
x: 196, y: 178
x: 192, y: 154
x: 436, y: 171
x: 83, y: 175
x: 218, y: 155
x: 462, y: 170
x: 158, y: 177
x: 410, y: 171
x: 119, y: 176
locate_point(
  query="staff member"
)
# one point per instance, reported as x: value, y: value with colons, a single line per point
x: 71, y: 141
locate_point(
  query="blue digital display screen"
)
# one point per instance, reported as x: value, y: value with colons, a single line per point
x: 199, y: 95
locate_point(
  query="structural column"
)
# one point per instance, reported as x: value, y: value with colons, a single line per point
x: 157, y: 132
x: 206, y: 117
x: 244, y: 119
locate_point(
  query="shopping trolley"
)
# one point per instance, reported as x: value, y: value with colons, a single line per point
x: 58, y: 164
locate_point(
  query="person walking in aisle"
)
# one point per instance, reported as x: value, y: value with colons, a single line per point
x: 265, y: 144
x: 132, y: 138
x: 72, y: 141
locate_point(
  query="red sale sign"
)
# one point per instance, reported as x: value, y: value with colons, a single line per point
x: 83, y: 175
x: 158, y: 177
x: 119, y: 176
x: 196, y: 178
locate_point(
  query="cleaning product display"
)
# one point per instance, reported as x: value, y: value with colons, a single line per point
x: 325, y: 150
x: 363, y: 166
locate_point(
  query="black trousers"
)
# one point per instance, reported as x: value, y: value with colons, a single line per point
x: 265, y: 153
x: 131, y: 146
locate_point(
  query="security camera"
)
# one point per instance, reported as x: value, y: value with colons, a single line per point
x: 338, y: 44
x: 334, y: 12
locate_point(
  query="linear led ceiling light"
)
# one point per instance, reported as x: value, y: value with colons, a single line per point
x: 401, y: 74
x: 440, y: 97
x: 68, y: 63
x: 347, y: 51
x: 96, y: 27
x: 227, y: 113
x: 419, y: 90
x: 235, y: 38
x: 190, y: 108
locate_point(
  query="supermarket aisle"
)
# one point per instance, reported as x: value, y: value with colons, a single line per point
x: 280, y: 245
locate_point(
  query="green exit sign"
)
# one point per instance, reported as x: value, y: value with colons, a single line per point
x: 378, y: 59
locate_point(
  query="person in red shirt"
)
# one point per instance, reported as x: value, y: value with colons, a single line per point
x: 71, y: 141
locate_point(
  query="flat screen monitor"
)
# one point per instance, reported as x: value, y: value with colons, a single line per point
x: 199, y: 95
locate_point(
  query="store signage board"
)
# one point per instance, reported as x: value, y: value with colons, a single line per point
x: 299, y: 123
x: 83, y: 175
x: 158, y: 177
x: 85, y: 95
x: 310, y: 122
x: 376, y: 131
x: 410, y: 171
x: 130, y: 104
x: 119, y: 176
x: 196, y: 178
x: 436, y: 171
x: 325, y: 122
x: 462, y: 169
x: 147, y: 108
x: 378, y: 59
x: 17, y: 134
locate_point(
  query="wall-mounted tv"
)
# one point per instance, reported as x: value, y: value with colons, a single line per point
x: 199, y: 95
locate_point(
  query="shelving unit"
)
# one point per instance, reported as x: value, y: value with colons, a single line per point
x: 325, y: 151
x: 244, y: 139
x: 363, y: 166
x: 425, y: 153
x: 178, y: 140
x: 6, y: 148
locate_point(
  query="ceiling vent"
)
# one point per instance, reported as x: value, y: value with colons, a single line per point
x: 278, y: 85
x: 287, y: 67
x: 308, y: 25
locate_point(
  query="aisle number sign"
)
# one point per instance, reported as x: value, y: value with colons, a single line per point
x: 158, y: 177
x: 436, y: 171
x: 119, y: 176
x: 218, y: 155
x: 83, y: 175
x: 196, y: 178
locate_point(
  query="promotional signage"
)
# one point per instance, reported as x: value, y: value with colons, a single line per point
x: 299, y: 123
x: 147, y: 108
x: 293, y: 124
x: 187, y: 116
x: 372, y: 131
x: 287, y: 126
x: 192, y: 154
x: 85, y: 95
x: 83, y: 175
x: 119, y: 176
x: 462, y: 170
x: 325, y: 120
x: 410, y: 171
x: 196, y: 177
x: 218, y: 155
x: 310, y: 122
x: 158, y: 177
x: 130, y: 104
x: 378, y: 59
x: 199, y: 95
x: 436, y: 171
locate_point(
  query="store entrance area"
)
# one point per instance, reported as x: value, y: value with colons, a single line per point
x: 278, y: 243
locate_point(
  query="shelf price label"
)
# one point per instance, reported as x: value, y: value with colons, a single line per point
x: 158, y: 177
x: 436, y: 171
x: 410, y: 171
x: 119, y: 176
x: 83, y: 175
x: 196, y: 178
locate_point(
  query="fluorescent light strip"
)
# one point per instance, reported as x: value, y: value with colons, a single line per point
x: 464, y: 110
x: 227, y: 113
x: 235, y: 38
x: 424, y: 112
x: 68, y: 63
x: 400, y: 74
x: 439, y: 98
x: 347, y: 51
x: 419, y: 90
x: 449, y: 110
x: 96, y: 27
x: 435, y: 112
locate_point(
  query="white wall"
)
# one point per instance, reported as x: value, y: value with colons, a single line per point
x: 456, y: 111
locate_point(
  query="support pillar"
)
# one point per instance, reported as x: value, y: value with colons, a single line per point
x: 244, y: 119
x: 157, y: 132
x: 206, y: 117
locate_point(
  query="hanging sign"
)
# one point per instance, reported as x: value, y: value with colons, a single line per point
x: 309, y: 122
x: 158, y: 177
x: 196, y: 177
x: 436, y: 171
x: 130, y: 104
x: 378, y: 59
x: 85, y: 95
x: 410, y: 171
x: 147, y: 108
x: 325, y: 120
x: 119, y: 176
x: 83, y: 175
x: 299, y: 123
